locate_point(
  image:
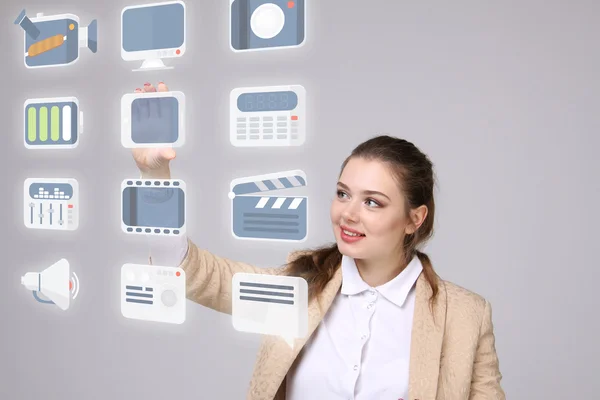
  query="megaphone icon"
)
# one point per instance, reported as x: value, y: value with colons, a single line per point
x: 55, y: 283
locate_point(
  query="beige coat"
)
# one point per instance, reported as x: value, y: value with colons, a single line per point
x: 453, y: 355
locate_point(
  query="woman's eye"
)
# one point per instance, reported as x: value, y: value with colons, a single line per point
x: 373, y: 203
x: 340, y: 193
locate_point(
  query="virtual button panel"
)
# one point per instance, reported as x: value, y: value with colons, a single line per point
x: 153, y: 207
x: 266, y: 24
x: 270, y: 116
x: 53, y: 123
x: 155, y: 119
x: 51, y: 203
x: 55, y: 40
x: 260, y: 212
x: 153, y: 32
x: 153, y: 293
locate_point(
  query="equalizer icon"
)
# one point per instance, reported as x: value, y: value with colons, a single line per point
x: 51, y: 203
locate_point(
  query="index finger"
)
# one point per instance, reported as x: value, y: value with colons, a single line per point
x: 162, y: 87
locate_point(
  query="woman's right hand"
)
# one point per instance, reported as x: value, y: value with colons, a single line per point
x: 154, y: 162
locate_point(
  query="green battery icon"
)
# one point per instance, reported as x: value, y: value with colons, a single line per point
x: 53, y: 123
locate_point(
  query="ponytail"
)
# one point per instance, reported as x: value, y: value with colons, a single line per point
x: 430, y: 275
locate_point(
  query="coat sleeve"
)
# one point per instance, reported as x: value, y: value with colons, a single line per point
x: 208, y: 277
x: 485, y: 384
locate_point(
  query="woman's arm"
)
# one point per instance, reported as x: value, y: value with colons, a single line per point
x: 208, y: 277
x: 485, y: 384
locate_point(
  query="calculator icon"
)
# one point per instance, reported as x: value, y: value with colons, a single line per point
x: 269, y: 116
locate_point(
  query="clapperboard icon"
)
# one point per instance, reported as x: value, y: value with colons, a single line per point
x: 269, y: 217
x: 270, y: 304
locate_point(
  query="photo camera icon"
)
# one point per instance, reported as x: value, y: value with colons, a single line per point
x: 55, y: 40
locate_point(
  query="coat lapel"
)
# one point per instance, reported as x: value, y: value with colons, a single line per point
x: 275, y: 356
x: 426, y: 342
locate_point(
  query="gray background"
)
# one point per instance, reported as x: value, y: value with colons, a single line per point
x: 504, y: 98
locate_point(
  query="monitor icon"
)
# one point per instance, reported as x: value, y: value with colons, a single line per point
x: 151, y: 32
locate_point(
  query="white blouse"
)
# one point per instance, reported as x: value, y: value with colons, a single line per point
x: 361, y: 349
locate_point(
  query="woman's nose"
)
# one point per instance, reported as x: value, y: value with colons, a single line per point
x: 350, y: 213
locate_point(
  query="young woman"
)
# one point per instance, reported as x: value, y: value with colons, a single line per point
x: 382, y: 324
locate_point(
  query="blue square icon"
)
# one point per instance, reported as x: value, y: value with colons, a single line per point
x: 267, y: 24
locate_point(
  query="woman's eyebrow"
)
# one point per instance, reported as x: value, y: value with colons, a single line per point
x: 367, y: 192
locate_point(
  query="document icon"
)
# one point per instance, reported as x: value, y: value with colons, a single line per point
x: 264, y: 217
x: 269, y: 304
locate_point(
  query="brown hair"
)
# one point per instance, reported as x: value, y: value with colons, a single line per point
x: 414, y: 173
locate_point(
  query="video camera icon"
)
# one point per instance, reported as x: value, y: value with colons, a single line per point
x: 55, y: 40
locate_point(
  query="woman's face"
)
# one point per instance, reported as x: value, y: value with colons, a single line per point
x: 370, y: 205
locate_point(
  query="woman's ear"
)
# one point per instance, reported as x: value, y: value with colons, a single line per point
x: 417, y: 217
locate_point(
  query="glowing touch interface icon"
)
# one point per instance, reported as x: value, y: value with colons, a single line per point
x: 269, y: 217
x: 152, y: 32
x: 269, y: 304
x: 268, y: 116
x: 55, y: 40
x: 53, y: 123
x: 266, y: 24
x: 153, y: 207
x: 153, y: 293
x: 57, y: 283
x: 155, y: 119
x: 51, y: 203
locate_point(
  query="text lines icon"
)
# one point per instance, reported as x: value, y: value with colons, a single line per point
x: 267, y: 116
x: 266, y: 24
x: 268, y: 216
x: 53, y: 123
x: 55, y: 40
x: 51, y: 203
x: 270, y: 304
x: 153, y: 293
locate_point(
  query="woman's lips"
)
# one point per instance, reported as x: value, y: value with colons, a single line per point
x: 350, y: 238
